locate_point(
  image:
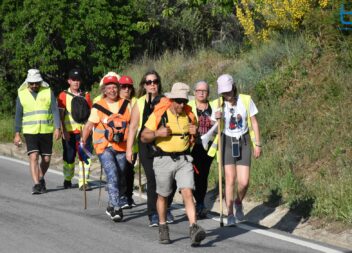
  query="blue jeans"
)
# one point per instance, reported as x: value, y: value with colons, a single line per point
x: 114, y: 164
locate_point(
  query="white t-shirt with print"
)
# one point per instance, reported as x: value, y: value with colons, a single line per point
x: 235, y: 117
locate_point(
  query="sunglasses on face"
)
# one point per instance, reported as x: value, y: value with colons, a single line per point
x: 149, y: 82
x: 180, y: 101
x: 123, y: 87
x: 37, y: 83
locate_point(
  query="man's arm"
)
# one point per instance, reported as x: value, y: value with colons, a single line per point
x: 18, y: 122
x: 149, y: 136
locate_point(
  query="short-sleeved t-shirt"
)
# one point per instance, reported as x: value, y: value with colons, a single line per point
x: 178, y: 125
x: 236, y: 118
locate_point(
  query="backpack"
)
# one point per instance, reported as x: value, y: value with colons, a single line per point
x: 80, y: 110
x: 115, y: 127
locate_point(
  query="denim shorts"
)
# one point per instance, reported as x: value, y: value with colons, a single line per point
x: 167, y: 170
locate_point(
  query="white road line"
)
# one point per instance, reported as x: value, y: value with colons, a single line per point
x: 243, y: 226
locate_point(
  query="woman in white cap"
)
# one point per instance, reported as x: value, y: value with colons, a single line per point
x: 240, y: 130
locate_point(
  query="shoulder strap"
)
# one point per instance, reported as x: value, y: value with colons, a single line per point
x: 123, y: 107
x: 69, y: 93
x: 102, y: 109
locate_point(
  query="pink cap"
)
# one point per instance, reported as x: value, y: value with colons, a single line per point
x: 225, y: 83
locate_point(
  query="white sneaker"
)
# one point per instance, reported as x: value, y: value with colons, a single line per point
x: 239, y: 213
x: 231, y: 220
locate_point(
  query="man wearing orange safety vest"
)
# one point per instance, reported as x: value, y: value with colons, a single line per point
x: 71, y: 131
x: 110, y: 118
x: 172, y: 127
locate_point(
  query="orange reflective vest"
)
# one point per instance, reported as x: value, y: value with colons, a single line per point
x: 99, y: 140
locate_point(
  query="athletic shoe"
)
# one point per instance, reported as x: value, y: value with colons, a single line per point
x: 169, y: 217
x: 115, y: 214
x: 124, y: 203
x: 239, y: 215
x: 37, y: 189
x: 231, y: 220
x: 67, y: 184
x: 43, y: 186
x: 197, y: 234
x: 164, y: 237
x: 131, y: 202
x: 154, y: 220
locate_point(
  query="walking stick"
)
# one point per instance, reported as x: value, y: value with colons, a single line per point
x: 101, y: 179
x: 139, y: 178
x: 220, y: 168
x: 84, y: 178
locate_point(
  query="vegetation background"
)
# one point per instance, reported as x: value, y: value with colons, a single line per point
x: 291, y: 55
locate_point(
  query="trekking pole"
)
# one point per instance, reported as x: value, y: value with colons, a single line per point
x: 139, y: 178
x: 84, y: 178
x: 101, y: 179
x: 220, y: 168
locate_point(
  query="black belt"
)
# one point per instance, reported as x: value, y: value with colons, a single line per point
x: 175, y: 155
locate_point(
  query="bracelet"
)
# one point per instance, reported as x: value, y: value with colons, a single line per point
x: 258, y: 145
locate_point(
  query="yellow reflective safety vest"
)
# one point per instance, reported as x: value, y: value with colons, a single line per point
x: 37, y: 116
x: 246, y: 99
x: 70, y: 123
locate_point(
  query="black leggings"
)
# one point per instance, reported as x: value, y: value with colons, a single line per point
x: 147, y: 163
x: 202, y: 162
x: 129, y: 173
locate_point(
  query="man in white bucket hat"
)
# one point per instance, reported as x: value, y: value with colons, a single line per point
x: 37, y: 115
x: 172, y: 127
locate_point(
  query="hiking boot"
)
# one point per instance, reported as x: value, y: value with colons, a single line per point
x: 87, y: 186
x: 114, y: 213
x: 154, y: 220
x: 164, y: 237
x: 169, y: 217
x: 131, y: 202
x: 231, y: 220
x: 197, y: 234
x: 67, y: 184
x: 37, y: 189
x: 239, y: 215
x: 43, y: 186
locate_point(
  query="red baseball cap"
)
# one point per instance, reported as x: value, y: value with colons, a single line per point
x: 110, y: 79
x: 126, y: 80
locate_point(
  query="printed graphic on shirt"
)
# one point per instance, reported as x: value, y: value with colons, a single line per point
x: 204, y: 121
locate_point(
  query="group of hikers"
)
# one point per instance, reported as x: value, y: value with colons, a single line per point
x: 166, y: 131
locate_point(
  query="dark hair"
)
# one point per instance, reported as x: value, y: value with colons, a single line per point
x: 141, y: 91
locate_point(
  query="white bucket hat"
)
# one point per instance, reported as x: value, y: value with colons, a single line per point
x: 33, y: 76
x: 178, y: 90
x: 225, y: 83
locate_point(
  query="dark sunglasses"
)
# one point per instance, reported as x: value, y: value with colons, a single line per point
x: 125, y: 86
x: 180, y: 101
x: 37, y: 83
x: 149, y: 82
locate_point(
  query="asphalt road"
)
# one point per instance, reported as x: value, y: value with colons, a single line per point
x: 57, y: 222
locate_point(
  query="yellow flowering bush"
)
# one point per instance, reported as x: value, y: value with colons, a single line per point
x: 273, y: 14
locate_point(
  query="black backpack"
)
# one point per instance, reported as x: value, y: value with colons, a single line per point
x: 80, y: 109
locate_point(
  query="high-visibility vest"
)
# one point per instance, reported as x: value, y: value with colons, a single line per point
x: 99, y: 141
x: 69, y: 122
x: 193, y: 105
x: 246, y: 99
x: 37, y: 116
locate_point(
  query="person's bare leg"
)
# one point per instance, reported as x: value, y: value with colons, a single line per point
x: 44, y: 165
x: 161, y: 206
x: 34, y: 166
x: 242, y: 181
x: 230, y: 180
x: 187, y: 196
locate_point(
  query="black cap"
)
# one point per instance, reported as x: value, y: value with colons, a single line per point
x: 75, y: 74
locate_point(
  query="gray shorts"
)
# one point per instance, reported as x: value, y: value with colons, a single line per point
x: 245, y: 151
x: 167, y: 170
